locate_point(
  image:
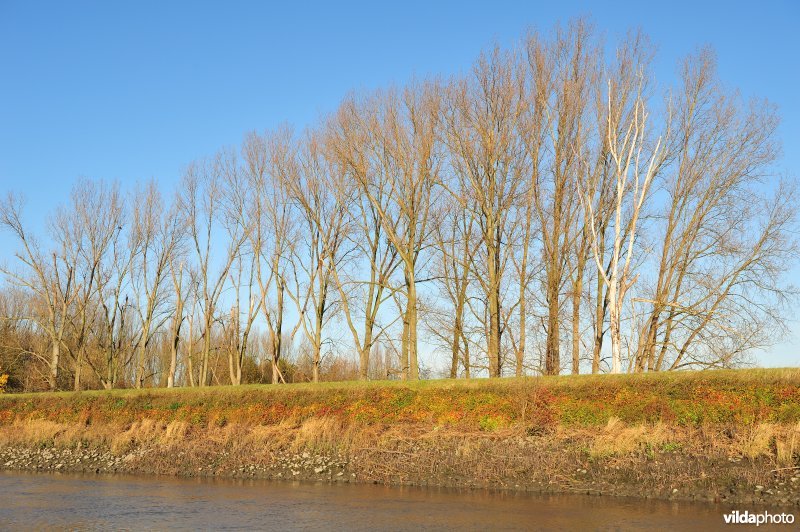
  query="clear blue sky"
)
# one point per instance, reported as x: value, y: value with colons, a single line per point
x: 102, y: 90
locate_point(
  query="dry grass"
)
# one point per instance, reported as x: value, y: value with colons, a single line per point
x: 787, y: 446
x: 139, y: 432
x: 617, y: 438
x: 486, y: 429
x: 42, y: 432
x: 756, y: 441
x: 30, y: 432
x: 321, y: 433
x: 280, y: 435
x: 772, y: 441
x: 175, y: 431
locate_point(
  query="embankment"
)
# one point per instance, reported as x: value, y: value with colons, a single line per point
x: 725, y: 435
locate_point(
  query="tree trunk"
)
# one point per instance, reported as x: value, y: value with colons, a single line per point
x: 78, y: 369
x: 318, y: 345
x: 466, y: 358
x: 363, y: 361
x: 601, y: 302
x: 173, y: 358
x: 455, y: 345
x: 404, y: 348
x: 233, y: 353
x: 142, y: 355
x: 412, y: 328
x: 614, y: 324
x: 494, y: 305
x: 494, y: 334
x: 522, y: 329
x: 203, y: 380
x: 552, y: 347
x: 576, y: 323
x: 55, y: 355
x: 649, y: 348
x: 366, y: 348
x: 276, y: 374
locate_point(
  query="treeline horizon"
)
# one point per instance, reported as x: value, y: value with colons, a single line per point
x: 552, y: 210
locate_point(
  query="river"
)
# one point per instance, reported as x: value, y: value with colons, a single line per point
x: 79, y: 502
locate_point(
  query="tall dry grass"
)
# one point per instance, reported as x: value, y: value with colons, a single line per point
x: 617, y: 438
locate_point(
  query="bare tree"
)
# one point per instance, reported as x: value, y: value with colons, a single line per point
x: 314, y: 185
x: 557, y: 204
x: 533, y: 127
x: 203, y: 203
x: 88, y: 227
x: 404, y: 129
x: 179, y: 293
x: 267, y: 163
x: 46, y: 275
x: 159, y: 232
x: 349, y: 150
x: 724, y: 240
x: 544, y: 195
x: 454, y: 236
x: 246, y: 305
x: 633, y: 170
x: 481, y: 118
x: 112, y: 331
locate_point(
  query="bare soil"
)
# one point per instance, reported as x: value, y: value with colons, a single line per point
x: 700, y: 464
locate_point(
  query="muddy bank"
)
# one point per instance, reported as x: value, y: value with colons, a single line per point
x: 689, y: 465
x: 727, y: 436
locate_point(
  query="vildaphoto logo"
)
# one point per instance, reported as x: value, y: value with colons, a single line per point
x: 762, y: 518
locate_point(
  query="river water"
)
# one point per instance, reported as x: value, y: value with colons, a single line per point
x: 78, y: 502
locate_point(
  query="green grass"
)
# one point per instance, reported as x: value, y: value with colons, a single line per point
x: 684, y: 398
x: 733, y: 376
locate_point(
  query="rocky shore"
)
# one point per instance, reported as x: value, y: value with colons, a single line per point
x: 728, y: 437
x: 535, y: 464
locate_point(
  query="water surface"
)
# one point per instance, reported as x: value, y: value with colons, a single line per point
x: 72, y: 501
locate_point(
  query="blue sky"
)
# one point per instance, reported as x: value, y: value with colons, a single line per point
x: 130, y: 92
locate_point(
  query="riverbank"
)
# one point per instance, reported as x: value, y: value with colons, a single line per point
x: 731, y: 436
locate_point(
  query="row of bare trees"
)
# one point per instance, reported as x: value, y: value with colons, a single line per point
x: 554, y: 198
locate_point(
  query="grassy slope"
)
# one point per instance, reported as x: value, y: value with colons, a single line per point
x: 743, y: 397
x: 722, y: 435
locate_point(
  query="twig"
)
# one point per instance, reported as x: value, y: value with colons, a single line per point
x: 385, y: 451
